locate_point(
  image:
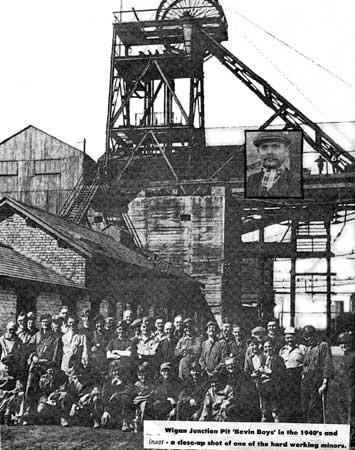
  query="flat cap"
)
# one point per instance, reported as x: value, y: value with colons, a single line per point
x: 144, y: 367
x: 121, y: 364
x: 211, y: 323
x: 258, y: 330
x: 136, y: 323
x: 165, y: 365
x: 214, y: 378
x: 188, y: 321
x: 290, y: 330
x: 229, y: 360
x: 308, y: 329
x: 99, y: 318
x: 267, y: 136
x: 45, y: 317
x: 8, y: 359
x: 345, y: 338
x: 195, y: 365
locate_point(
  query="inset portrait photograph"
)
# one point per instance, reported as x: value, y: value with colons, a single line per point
x: 273, y: 164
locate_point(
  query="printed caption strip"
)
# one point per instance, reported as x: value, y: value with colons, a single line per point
x: 221, y: 435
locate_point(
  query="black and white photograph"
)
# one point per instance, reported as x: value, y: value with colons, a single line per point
x: 273, y: 164
x: 177, y: 224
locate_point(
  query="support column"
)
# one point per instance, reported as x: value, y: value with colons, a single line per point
x: 329, y: 278
x: 293, y: 274
x: 231, y: 293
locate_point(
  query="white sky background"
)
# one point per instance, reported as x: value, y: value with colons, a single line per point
x: 55, y: 61
x: 55, y: 58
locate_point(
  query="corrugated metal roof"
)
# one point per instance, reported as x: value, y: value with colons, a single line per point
x: 15, y: 265
x: 91, y: 242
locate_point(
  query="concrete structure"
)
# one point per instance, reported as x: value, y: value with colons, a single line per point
x: 47, y: 261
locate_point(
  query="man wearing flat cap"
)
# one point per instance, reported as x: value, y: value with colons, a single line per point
x: 166, y: 393
x: 275, y: 179
x: 213, y: 350
x: 292, y: 354
x: 347, y: 378
x: 316, y: 373
x: 188, y: 348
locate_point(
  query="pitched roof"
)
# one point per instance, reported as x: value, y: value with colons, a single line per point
x: 87, y: 241
x: 41, y: 131
x: 15, y: 265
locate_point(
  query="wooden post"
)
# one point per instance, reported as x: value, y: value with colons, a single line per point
x: 329, y: 278
x: 293, y: 274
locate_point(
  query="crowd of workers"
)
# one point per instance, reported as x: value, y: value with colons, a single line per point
x: 118, y: 374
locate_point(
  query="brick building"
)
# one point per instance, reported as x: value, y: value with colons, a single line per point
x: 47, y: 261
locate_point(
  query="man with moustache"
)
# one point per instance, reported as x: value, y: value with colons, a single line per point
x: 275, y: 179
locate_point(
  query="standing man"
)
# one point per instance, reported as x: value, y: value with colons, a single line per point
x: 86, y: 327
x: 274, y: 335
x: 258, y: 334
x: 75, y: 351
x: 226, y: 331
x: 166, y: 348
x: 188, y: 348
x: 22, y: 331
x: 275, y: 179
x: 98, y: 344
x: 64, y: 314
x: 178, y: 326
x: 127, y: 318
x: 320, y: 164
x: 237, y: 346
x: 110, y: 327
x: 47, y: 344
x: 347, y: 375
x: 213, y: 351
x: 293, y: 356
x: 31, y: 323
x: 316, y: 373
x: 10, y: 344
x: 46, y: 351
x: 159, y: 334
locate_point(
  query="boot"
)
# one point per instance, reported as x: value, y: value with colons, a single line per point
x: 125, y: 426
x: 136, y: 425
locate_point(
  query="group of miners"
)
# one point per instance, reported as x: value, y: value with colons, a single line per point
x: 104, y: 373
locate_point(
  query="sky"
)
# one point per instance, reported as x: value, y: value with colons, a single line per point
x: 55, y: 59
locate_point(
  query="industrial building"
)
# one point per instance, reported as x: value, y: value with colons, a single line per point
x: 181, y: 196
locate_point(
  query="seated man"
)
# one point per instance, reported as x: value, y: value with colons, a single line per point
x: 117, y: 396
x: 192, y: 394
x: 53, y: 405
x: 84, y: 395
x: 11, y: 390
x: 218, y: 400
x: 166, y: 393
x: 246, y: 406
x: 144, y: 390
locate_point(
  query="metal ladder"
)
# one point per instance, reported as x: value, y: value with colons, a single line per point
x: 78, y: 202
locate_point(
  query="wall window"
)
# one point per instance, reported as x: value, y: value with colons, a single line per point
x: 8, y: 168
x: 47, y: 166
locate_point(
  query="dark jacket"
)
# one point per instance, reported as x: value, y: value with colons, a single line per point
x: 166, y: 351
x: 167, y: 388
x: 287, y: 185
